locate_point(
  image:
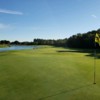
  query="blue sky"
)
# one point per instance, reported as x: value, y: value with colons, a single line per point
x: 24, y: 20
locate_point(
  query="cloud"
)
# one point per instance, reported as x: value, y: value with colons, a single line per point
x: 94, y: 16
x: 10, y: 12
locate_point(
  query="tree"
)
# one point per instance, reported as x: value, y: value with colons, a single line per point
x: 85, y: 40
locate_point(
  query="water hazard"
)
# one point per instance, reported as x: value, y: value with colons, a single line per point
x: 17, y: 47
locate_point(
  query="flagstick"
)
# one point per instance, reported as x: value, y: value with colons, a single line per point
x: 94, y: 65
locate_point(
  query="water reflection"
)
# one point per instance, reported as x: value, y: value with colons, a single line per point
x: 17, y: 47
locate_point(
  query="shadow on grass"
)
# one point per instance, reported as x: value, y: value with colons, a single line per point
x: 91, y: 52
x: 66, y: 91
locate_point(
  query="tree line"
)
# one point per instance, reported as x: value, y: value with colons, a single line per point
x: 85, y: 40
x: 58, y: 42
x: 80, y: 40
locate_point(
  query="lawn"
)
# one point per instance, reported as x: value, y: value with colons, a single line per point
x: 3, y: 45
x: 48, y: 73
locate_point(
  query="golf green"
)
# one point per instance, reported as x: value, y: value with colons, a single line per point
x: 49, y: 73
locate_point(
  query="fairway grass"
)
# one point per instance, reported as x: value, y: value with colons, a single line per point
x: 48, y: 73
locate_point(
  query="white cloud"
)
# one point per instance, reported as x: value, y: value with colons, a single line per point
x: 94, y: 16
x: 10, y: 12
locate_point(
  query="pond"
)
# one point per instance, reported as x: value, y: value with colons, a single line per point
x: 17, y: 47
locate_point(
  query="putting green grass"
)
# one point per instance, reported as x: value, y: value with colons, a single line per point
x: 48, y: 73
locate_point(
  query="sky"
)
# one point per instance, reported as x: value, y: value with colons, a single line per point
x: 24, y: 20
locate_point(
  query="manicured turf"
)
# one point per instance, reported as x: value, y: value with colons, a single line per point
x: 48, y: 73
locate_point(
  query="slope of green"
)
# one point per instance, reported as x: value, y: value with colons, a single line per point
x: 48, y: 73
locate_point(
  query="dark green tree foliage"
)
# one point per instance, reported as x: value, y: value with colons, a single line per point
x: 15, y: 42
x: 26, y: 43
x: 59, y: 42
x: 4, y: 42
x: 85, y: 40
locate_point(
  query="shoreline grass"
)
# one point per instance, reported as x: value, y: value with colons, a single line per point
x: 3, y: 45
x: 48, y: 73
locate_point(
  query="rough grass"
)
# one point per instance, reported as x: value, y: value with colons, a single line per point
x: 3, y: 45
x: 48, y: 73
